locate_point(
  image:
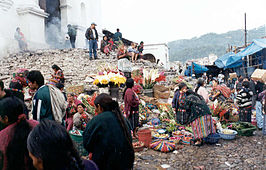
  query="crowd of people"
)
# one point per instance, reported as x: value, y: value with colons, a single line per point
x: 191, y: 107
x: 42, y: 140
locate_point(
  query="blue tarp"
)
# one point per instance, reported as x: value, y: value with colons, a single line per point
x: 198, y: 69
x: 256, y: 46
x: 231, y: 60
x: 226, y: 61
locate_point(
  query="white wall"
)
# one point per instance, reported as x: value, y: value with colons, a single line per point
x: 81, y: 13
x: 27, y: 15
x: 159, y: 51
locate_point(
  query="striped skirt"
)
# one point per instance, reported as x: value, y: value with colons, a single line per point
x: 203, y: 126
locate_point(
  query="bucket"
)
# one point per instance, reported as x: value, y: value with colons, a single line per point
x: 148, y: 92
x: 114, y: 92
x: 145, y: 136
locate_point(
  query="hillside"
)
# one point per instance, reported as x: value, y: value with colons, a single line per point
x: 182, y: 50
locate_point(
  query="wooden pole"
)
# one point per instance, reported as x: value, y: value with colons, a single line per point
x: 245, y: 30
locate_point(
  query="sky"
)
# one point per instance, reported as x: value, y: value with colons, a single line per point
x: 162, y: 21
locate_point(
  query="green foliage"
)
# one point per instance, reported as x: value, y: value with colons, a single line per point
x: 211, y: 43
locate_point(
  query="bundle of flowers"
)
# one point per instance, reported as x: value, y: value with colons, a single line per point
x: 111, y: 78
x: 148, y: 78
x: 219, y: 110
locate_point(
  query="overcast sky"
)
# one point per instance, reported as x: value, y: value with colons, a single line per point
x: 161, y: 21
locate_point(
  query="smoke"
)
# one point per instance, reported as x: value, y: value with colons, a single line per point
x: 54, y: 36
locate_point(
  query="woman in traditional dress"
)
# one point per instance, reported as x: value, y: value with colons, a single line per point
x: 13, y: 138
x: 219, y: 92
x: 199, y: 117
x: 71, y: 110
x: 201, y: 90
x: 58, y: 76
x: 51, y: 148
x: 81, y: 118
x: 131, y: 109
x: 178, y: 104
x: 108, y: 137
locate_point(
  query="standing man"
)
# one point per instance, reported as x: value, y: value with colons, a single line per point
x: 117, y: 35
x: 48, y: 101
x: 92, y: 37
x: 72, y: 32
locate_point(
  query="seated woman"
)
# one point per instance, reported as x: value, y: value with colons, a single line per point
x: 81, y: 118
x: 50, y: 147
x: 58, y: 76
x: 108, y: 137
x: 71, y: 110
x: 13, y: 138
x: 111, y: 44
x: 105, y: 46
x: 133, y: 52
x: 219, y: 92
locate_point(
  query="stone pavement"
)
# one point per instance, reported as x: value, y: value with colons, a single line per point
x: 241, y: 153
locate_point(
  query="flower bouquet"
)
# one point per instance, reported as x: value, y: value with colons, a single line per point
x: 112, y: 79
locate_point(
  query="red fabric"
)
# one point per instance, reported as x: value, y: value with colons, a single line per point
x: 6, y: 136
x: 224, y: 90
x: 131, y: 100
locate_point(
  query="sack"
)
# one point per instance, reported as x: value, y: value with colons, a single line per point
x: 161, y: 92
x: 58, y: 102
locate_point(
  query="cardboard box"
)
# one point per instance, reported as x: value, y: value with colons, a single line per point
x: 259, y: 75
x: 232, y: 75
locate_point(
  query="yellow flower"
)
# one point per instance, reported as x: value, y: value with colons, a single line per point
x: 96, y: 82
x: 104, y: 81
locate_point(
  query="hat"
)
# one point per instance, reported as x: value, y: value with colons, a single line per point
x: 93, y: 24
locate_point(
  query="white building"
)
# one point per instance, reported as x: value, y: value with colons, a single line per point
x: 43, y: 20
x: 155, y: 52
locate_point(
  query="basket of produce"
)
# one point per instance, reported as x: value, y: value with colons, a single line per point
x: 243, y: 128
x: 228, y: 134
x: 138, y: 146
x: 157, y: 135
x: 212, y: 138
x: 76, y: 136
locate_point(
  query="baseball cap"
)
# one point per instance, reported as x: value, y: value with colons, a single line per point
x: 94, y: 24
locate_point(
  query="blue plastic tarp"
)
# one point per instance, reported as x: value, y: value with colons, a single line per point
x: 198, y: 69
x: 256, y: 46
x: 221, y: 62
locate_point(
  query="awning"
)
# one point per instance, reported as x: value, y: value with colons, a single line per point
x: 256, y: 46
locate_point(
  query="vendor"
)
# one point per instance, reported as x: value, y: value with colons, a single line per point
x: 81, y: 118
x: 201, y: 90
x: 178, y: 104
x: 58, y: 76
x: 71, y: 110
x: 199, y: 117
x: 131, y: 105
x: 108, y: 137
x: 219, y: 92
x: 244, y: 101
